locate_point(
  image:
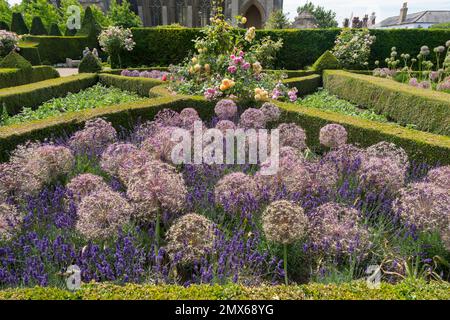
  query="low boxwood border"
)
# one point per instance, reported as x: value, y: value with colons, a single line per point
x: 305, y: 85
x: 428, y: 110
x: 357, y: 290
x: 18, y: 77
x: 139, y: 85
x: 32, y: 95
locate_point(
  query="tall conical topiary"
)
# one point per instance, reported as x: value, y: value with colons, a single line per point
x: 4, y: 26
x: 54, y: 30
x: 90, y: 64
x: 37, y: 27
x: 15, y: 60
x: 18, y: 24
x: 89, y: 25
x: 70, y: 32
x: 326, y: 61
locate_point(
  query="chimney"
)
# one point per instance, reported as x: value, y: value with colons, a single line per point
x: 403, y: 13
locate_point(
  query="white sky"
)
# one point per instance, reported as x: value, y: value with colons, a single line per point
x: 344, y: 8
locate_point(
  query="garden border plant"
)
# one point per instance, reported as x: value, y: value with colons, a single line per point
x: 428, y: 110
x: 18, y: 77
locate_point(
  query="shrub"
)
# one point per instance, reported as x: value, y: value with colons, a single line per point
x: 304, y: 85
x: 4, y: 26
x: 427, y: 110
x: 17, y: 77
x: 54, y: 30
x: 8, y: 42
x: 90, y: 64
x: 37, y: 27
x: 352, y: 48
x: 31, y: 53
x: 326, y: 61
x: 138, y: 85
x: 15, y: 60
x: 90, y: 28
x: 114, y: 41
x: 18, y: 24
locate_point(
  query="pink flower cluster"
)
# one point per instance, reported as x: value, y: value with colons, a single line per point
x: 422, y: 85
x: 94, y: 138
x: 292, y: 135
x: 152, y: 74
x: 234, y: 191
x: 440, y: 176
x: 333, y: 135
x: 225, y: 109
x: 238, y: 61
x: 271, y: 112
x: 224, y: 125
x: 252, y: 119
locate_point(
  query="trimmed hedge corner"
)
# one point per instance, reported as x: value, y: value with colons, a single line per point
x: 141, y: 86
x: 427, y: 110
x: 90, y: 64
x: 16, y: 61
x: 326, y: 61
x: 356, y: 290
x: 32, y: 95
x: 305, y: 85
x: 30, y: 52
x: 18, y: 77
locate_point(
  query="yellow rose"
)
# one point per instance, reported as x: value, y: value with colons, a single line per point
x: 197, y: 67
x: 207, y: 68
x: 194, y: 60
x: 243, y: 20
x: 261, y: 95
x: 226, y: 84
x: 191, y: 70
x: 250, y: 34
x: 257, y: 68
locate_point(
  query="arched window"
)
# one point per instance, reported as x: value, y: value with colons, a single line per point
x: 180, y: 12
x: 155, y: 12
x: 204, y: 12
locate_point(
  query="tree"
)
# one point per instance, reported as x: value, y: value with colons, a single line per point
x: 102, y: 19
x: 121, y: 15
x: 325, y: 18
x: 277, y: 20
x: 38, y: 8
x: 5, y: 12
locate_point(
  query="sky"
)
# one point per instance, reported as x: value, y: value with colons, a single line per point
x: 344, y: 8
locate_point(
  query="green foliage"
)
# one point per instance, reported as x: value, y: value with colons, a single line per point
x: 325, y: 18
x: 326, y: 61
x: 305, y: 85
x: 38, y: 8
x: 102, y: 19
x: 277, y: 20
x: 18, y: 24
x: 352, y: 48
x: 89, y: 25
x: 90, y: 64
x: 32, y: 95
x: 325, y: 101
x: 427, y: 110
x: 15, y: 60
x: 37, y: 27
x: 90, y: 98
x: 120, y: 14
x: 141, y: 86
x: 65, y: 14
x: 445, y: 25
x: 4, y: 26
x: 54, y: 30
x: 18, y: 77
x: 356, y: 290
x: 30, y: 52
x: 5, y: 12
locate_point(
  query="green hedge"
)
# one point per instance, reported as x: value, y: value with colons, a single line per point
x: 118, y: 71
x: 139, y: 85
x: 357, y: 290
x: 30, y: 52
x: 426, y: 109
x: 305, y: 85
x: 163, y: 46
x: 32, y: 95
x: 53, y: 49
x: 18, y: 77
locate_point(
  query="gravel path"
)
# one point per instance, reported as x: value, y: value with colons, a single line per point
x: 65, y: 72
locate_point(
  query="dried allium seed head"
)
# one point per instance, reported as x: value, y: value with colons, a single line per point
x: 333, y: 135
x: 381, y: 174
x: 160, y: 144
x: 94, y: 138
x: 168, y: 118
x: 291, y: 135
x: 335, y: 230
x: 271, y: 112
x: 225, y: 109
x: 224, y: 125
x: 113, y: 157
x: 235, y: 191
x: 385, y: 149
x: 252, y: 119
x: 191, y: 237
x: 100, y: 215
x: 10, y: 221
x: 440, y: 176
x: 154, y: 187
x: 84, y: 185
x: 284, y: 222
x: 423, y: 205
x: 135, y: 161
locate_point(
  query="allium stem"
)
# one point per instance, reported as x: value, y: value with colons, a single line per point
x: 285, y: 264
x: 157, y: 231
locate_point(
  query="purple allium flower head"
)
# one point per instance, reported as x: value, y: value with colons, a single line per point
x: 100, y: 215
x: 134, y: 161
x: 225, y: 109
x: 333, y: 135
x: 114, y: 155
x: 160, y: 144
x: 284, y: 222
x: 444, y: 85
x: 224, y: 125
x: 425, y: 206
x: 440, y: 176
x: 252, y: 119
x: 292, y: 135
x: 10, y: 220
x: 235, y: 190
x: 168, y: 117
x: 270, y: 111
x: 84, y: 185
x: 188, y: 117
x: 385, y: 149
x: 425, y: 85
x: 192, y: 237
x: 94, y: 138
x: 414, y: 82
x: 381, y: 174
x: 345, y: 157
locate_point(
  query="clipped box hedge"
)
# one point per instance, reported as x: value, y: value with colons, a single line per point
x: 427, y: 110
x: 139, y: 85
x: 305, y: 85
x: 32, y: 95
x: 17, y: 77
x: 30, y: 52
x: 357, y: 290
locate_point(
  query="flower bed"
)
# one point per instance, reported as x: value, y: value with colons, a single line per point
x: 121, y: 203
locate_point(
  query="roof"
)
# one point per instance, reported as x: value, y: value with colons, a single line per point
x: 419, y: 17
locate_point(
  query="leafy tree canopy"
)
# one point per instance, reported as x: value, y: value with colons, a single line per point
x: 325, y: 18
x: 277, y: 20
x: 122, y: 15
